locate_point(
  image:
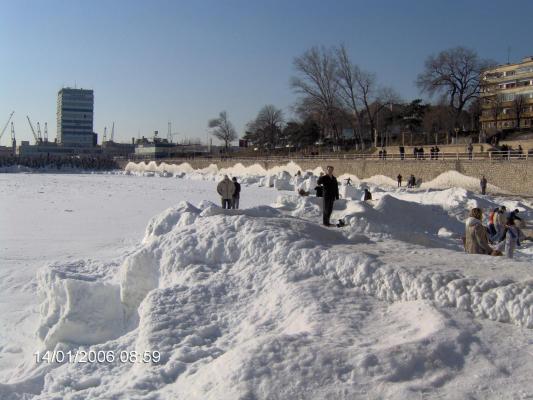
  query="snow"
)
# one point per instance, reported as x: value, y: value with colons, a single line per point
x: 256, y: 303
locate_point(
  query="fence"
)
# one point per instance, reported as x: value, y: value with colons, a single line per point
x: 491, y: 156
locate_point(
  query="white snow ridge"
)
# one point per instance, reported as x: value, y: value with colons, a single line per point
x: 255, y: 304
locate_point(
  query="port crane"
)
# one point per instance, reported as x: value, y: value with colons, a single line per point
x: 33, y: 130
x: 113, y: 131
x: 7, y: 123
x: 46, y: 131
x: 39, y: 134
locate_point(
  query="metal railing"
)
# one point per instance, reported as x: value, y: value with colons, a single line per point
x: 445, y: 156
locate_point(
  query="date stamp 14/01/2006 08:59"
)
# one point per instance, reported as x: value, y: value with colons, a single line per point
x: 97, y: 356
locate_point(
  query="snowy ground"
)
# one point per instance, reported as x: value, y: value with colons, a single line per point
x: 260, y: 303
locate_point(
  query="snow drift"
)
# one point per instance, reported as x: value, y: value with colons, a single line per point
x: 254, y: 303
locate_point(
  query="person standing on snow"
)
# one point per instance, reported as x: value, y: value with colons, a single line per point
x: 399, y: 179
x: 514, y: 215
x: 236, y: 194
x: 500, y: 220
x: 483, y: 184
x: 330, y: 192
x: 226, y: 189
x: 367, y: 195
x: 511, y: 238
x: 492, y: 228
x: 476, y: 241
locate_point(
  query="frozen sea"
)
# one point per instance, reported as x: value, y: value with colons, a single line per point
x: 262, y: 303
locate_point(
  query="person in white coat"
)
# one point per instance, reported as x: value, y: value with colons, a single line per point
x: 226, y: 190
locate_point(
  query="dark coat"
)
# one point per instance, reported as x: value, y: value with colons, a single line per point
x: 330, y: 185
x: 237, y: 192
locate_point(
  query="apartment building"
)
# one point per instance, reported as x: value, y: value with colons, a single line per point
x: 507, y: 97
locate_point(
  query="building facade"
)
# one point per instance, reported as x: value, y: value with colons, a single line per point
x: 507, y: 97
x: 75, y: 111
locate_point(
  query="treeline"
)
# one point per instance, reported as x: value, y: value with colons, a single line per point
x: 340, y: 103
x: 61, y: 162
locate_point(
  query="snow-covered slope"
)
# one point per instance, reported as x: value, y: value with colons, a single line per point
x: 265, y: 303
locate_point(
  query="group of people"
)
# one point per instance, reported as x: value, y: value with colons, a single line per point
x: 501, y: 237
x: 230, y: 192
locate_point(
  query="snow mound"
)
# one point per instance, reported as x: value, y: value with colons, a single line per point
x: 252, y: 303
x: 452, y: 179
x: 78, y: 308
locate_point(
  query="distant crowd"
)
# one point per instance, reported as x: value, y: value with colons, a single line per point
x: 60, y: 162
x: 501, y: 237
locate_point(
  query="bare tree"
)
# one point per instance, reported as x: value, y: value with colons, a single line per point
x: 266, y: 128
x: 519, y: 108
x: 346, y: 76
x: 359, y: 92
x: 455, y: 74
x: 223, y: 129
x: 317, y: 69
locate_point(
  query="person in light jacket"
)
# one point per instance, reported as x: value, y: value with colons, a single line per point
x: 476, y: 241
x: 226, y: 190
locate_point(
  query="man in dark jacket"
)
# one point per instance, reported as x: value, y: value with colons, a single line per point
x: 483, y: 184
x: 331, y: 193
x: 236, y: 194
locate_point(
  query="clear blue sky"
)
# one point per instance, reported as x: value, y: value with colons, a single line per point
x: 184, y: 61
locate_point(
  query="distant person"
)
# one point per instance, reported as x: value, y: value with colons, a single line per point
x: 411, y: 181
x: 476, y: 241
x: 415, y: 152
x: 514, y: 215
x: 511, y: 238
x: 399, y: 180
x: 331, y: 193
x: 348, y: 181
x: 384, y: 154
x: 492, y: 228
x: 470, y: 150
x: 483, y: 185
x: 402, y: 152
x: 226, y: 189
x: 432, y: 153
x: 319, y: 189
x: 437, y: 151
x: 367, y: 195
x: 236, y: 194
x: 500, y: 220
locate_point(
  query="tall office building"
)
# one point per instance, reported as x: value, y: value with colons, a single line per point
x: 75, y: 109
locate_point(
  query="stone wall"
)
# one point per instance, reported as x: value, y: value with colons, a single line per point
x: 514, y: 176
